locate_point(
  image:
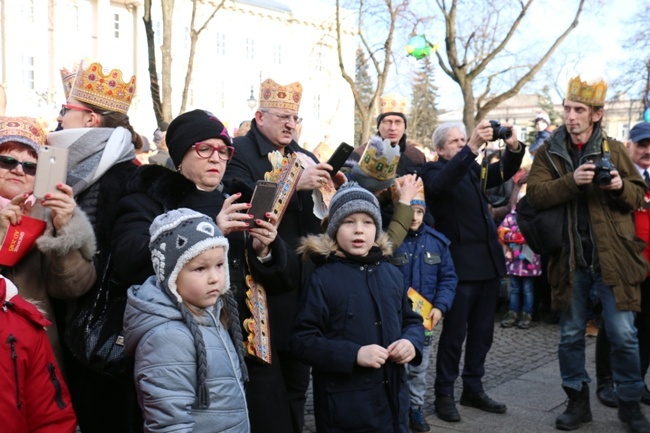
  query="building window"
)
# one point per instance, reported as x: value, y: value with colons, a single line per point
x: 221, y: 95
x: 317, y: 106
x: 221, y: 44
x: 250, y: 49
x: 27, y: 10
x: 28, y: 72
x: 116, y: 26
x: 158, y: 32
x: 277, y: 54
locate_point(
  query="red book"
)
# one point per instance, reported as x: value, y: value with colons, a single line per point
x: 20, y: 239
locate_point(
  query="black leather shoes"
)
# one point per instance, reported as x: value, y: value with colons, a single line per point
x: 606, y: 395
x: 446, y: 408
x: 480, y: 400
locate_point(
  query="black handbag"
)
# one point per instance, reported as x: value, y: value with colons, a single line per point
x: 543, y: 230
x: 95, y: 334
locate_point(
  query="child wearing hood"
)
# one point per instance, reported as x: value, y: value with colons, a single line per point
x: 355, y: 325
x: 183, y: 327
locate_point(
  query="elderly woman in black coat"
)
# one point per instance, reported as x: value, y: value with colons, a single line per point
x: 200, y: 148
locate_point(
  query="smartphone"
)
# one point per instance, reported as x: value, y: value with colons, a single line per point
x: 338, y: 158
x: 262, y: 201
x: 51, y: 170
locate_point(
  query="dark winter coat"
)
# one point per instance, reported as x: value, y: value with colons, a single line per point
x: 249, y: 165
x: 425, y: 261
x: 155, y: 190
x: 460, y: 210
x: 349, y: 303
x: 619, y: 251
x: 33, y: 395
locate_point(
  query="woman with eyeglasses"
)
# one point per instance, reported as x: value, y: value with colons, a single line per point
x: 68, y: 241
x: 200, y: 147
x: 95, y: 129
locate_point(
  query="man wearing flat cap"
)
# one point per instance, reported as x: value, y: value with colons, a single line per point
x: 592, y: 176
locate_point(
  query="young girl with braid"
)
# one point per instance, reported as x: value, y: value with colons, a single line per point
x: 183, y: 326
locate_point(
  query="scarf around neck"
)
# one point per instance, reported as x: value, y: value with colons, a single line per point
x: 92, y: 152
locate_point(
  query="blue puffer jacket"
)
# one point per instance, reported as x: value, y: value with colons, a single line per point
x: 165, y: 366
x: 425, y: 261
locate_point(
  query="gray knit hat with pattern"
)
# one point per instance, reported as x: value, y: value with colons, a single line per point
x: 352, y: 198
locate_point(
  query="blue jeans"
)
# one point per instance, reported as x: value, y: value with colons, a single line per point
x: 626, y: 369
x: 518, y: 285
x: 417, y: 377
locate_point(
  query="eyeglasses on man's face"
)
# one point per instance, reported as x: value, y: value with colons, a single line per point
x: 206, y: 150
x: 69, y: 107
x: 286, y: 118
x: 10, y: 163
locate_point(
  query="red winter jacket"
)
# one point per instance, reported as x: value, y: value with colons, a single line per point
x: 33, y: 396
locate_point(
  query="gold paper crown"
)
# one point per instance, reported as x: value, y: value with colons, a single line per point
x: 392, y: 103
x: 273, y: 95
x: 67, y: 78
x: 107, y: 91
x: 589, y: 94
x: 380, y: 164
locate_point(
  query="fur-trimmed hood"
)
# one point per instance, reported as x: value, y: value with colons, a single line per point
x: 319, y: 247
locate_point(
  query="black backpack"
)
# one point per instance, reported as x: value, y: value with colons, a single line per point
x: 543, y: 230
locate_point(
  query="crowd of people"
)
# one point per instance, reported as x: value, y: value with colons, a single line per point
x: 153, y: 300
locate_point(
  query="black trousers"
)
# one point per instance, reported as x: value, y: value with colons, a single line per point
x: 471, y: 317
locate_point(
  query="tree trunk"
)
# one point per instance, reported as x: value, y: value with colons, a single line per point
x: 167, y: 11
x: 154, y: 87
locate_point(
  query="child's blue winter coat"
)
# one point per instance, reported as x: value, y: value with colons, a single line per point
x: 349, y: 303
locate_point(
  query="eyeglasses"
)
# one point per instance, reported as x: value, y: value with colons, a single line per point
x: 67, y: 107
x: 9, y: 163
x: 205, y: 151
x: 286, y: 118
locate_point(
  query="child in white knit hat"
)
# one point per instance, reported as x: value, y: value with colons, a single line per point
x: 183, y: 327
x: 355, y: 325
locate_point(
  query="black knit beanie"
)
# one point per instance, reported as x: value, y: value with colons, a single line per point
x: 190, y: 128
x: 391, y: 113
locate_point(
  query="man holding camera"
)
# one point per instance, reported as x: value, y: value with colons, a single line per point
x: 594, y: 178
x: 455, y: 193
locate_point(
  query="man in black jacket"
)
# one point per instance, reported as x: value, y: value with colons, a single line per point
x: 456, y: 197
x: 276, y: 402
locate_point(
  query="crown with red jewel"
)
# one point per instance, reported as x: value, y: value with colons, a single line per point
x: 94, y: 86
x: 274, y: 95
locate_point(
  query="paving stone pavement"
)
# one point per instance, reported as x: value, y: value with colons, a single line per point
x: 522, y: 371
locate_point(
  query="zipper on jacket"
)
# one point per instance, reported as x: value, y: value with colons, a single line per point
x: 58, y: 394
x: 14, y: 358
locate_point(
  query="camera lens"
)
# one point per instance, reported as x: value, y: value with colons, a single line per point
x: 503, y: 133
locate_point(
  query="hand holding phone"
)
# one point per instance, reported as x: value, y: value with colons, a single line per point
x: 338, y: 158
x: 51, y: 170
x: 262, y: 201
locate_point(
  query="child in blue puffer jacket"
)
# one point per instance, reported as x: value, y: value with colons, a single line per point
x: 425, y: 261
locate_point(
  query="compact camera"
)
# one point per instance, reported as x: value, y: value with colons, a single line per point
x: 602, y: 172
x: 499, y: 132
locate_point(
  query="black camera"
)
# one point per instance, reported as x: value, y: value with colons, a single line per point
x: 499, y: 132
x: 602, y: 172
